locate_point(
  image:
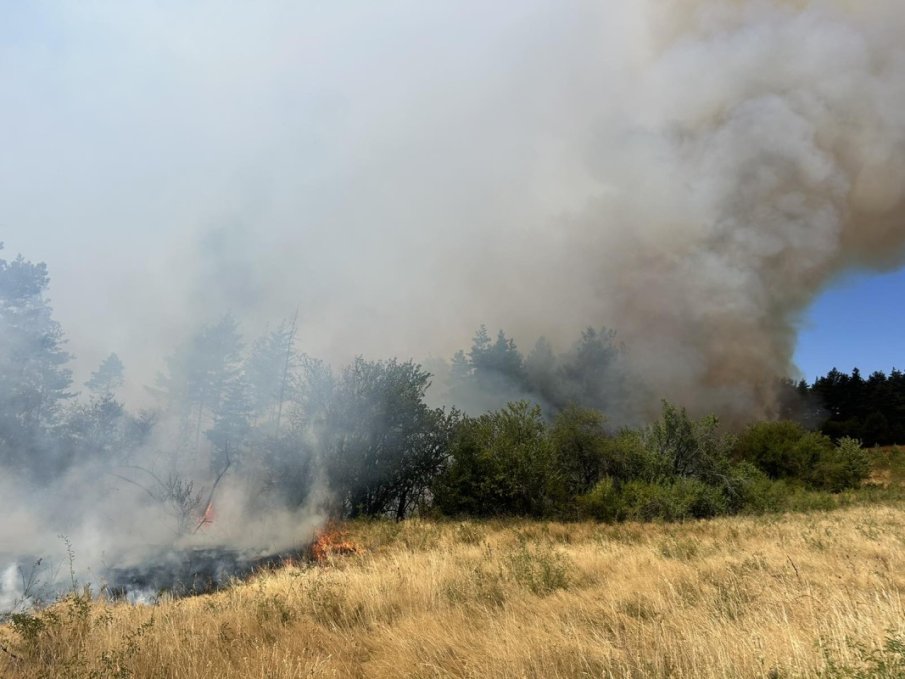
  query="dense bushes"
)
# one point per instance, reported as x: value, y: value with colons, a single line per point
x: 785, y: 450
x: 498, y: 465
x: 510, y: 462
x: 673, y: 500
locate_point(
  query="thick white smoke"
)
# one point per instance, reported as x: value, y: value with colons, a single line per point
x: 690, y: 173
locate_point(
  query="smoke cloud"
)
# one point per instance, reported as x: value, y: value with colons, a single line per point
x: 763, y: 156
x: 690, y: 173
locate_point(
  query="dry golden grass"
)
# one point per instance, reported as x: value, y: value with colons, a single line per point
x: 798, y: 595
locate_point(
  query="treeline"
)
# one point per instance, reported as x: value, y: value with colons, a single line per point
x: 525, y: 434
x: 842, y: 404
x: 510, y: 461
x: 494, y: 372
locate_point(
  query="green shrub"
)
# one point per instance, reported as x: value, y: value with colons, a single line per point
x: 632, y: 459
x: 774, y: 448
x: 603, y: 502
x: 681, y: 498
x: 499, y: 464
x: 538, y: 568
x: 754, y: 492
x: 687, y: 447
x: 846, y: 466
x: 785, y: 450
x: 579, y: 452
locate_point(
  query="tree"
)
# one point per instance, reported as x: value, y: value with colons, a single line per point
x: 34, y: 380
x: 101, y: 429
x: 107, y: 378
x: 689, y: 448
x: 589, y: 374
x: 580, y: 450
x: 199, y: 373
x: 785, y: 450
x: 381, y: 444
x: 272, y: 373
x: 499, y: 463
x: 541, y: 376
x: 231, y: 428
x: 492, y: 375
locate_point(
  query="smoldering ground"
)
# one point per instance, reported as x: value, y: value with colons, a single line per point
x: 690, y: 173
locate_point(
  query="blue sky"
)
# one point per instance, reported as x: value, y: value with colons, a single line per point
x: 859, y: 322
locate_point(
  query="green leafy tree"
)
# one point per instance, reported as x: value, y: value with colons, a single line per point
x: 786, y: 450
x: 499, y: 464
x: 689, y: 448
x: 381, y: 443
x: 580, y: 452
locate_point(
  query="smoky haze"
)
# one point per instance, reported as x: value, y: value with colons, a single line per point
x: 689, y: 173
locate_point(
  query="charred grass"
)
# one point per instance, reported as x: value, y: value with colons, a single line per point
x: 799, y: 595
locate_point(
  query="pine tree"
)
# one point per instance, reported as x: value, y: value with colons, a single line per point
x: 34, y: 380
x: 199, y: 373
x: 107, y: 378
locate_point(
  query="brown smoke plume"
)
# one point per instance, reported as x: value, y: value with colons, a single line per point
x: 764, y: 153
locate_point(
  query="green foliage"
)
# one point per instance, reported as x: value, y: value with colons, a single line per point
x: 879, y: 662
x: 580, y: 453
x: 689, y: 448
x: 382, y: 446
x: 107, y: 378
x: 754, y: 491
x: 499, y: 464
x: 777, y: 448
x: 871, y: 409
x: 676, y: 500
x: 603, y: 502
x: 785, y: 450
x: 846, y: 467
x: 683, y: 498
x: 630, y: 457
x: 35, y: 382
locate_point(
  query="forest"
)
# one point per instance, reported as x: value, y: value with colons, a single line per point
x: 491, y: 432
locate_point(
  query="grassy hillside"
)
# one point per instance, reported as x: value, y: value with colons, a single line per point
x: 798, y: 595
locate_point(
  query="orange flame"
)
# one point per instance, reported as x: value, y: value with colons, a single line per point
x: 332, y: 541
x: 208, y: 516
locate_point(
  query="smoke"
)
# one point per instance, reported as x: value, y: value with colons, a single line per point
x: 764, y: 154
x: 691, y: 173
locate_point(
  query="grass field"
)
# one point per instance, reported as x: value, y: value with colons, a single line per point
x: 817, y: 594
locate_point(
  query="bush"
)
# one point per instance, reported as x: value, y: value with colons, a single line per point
x: 499, y: 464
x: 603, y: 502
x: 755, y: 492
x: 683, y: 498
x: 579, y: 452
x: 630, y: 458
x: 675, y: 500
x: 773, y: 448
x: 785, y: 450
x: 686, y: 447
x: 844, y: 466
